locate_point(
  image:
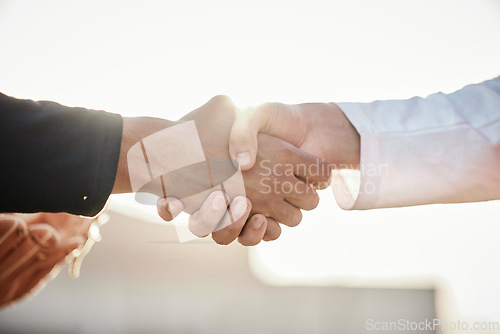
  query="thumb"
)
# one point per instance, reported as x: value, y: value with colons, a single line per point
x: 243, y: 139
x: 277, y: 119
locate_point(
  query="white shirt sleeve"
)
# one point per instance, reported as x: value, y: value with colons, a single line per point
x: 441, y: 149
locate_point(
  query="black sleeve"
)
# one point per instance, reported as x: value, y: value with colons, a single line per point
x: 55, y: 158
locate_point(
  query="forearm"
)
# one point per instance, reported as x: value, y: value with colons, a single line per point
x: 134, y: 130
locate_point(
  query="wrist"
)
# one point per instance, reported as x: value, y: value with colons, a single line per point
x: 134, y: 130
x: 345, y: 136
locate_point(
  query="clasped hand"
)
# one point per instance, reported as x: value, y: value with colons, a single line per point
x: 281, y: 171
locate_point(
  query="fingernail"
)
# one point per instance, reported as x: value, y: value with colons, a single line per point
x: 174, y: 207
x: 239, y: 209
x: 258, y: 223
x: 219, y: 202
x: 243, y: 158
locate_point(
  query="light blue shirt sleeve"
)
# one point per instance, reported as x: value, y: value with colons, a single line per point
x: 444, y: 148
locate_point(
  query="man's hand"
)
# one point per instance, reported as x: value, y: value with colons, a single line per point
x: 277, y: 187
x: 32, y: 245
x: 320, y: 129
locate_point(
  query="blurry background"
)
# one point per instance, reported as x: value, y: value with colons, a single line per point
x: 335, y: 270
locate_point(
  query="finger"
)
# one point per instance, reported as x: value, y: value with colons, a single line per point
x: 286, y: 213
x: 8, y: 292
x: 233, y: 221
x: 310, y: 168
x: 169, y: 208
x: 253, y: 231
x: 64, y: 223
x: 243, y: 140
x: 44, y: 235
x: 277, y: 119
x: 36, y: 273
x: 12, y: 229
x: 26, y: 282
x: 24, y: 250
x: 300, y: 194
x: 273, y: 230
x: 205, y: 220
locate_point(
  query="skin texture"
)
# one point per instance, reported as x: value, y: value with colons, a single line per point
x: 31, y: 245
x: 214, y: 121
x: 134, y: 129
x: 320, y: 129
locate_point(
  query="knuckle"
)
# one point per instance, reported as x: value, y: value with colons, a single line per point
x: 221, y: 98
x: 223, y: 101
x: 267, y: 112
x: 44, y: 235
x: 11, y: 225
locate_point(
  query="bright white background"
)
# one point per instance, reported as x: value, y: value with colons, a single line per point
x: 164, y: 58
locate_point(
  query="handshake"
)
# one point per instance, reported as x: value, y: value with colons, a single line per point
x: 240, y: 174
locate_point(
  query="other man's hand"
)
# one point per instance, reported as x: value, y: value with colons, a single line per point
x: 277, y: 188
x: 320, y: 129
